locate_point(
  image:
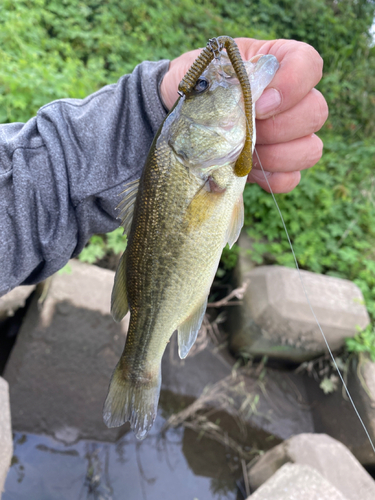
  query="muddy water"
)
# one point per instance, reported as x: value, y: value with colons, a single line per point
x: 156, y: 468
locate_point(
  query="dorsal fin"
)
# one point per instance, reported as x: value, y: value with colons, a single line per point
x: 126, y: 205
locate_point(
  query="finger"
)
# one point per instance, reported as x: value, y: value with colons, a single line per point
x: 280, y: 182
x: 177, y: 69
x: 300, y: 70
x: 305, y: 118
x: 290, y: 156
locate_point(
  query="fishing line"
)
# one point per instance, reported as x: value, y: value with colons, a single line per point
x: 312, y: 310
x: 306, y: 294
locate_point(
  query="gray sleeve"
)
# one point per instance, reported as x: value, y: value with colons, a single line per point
x: 62, y: 171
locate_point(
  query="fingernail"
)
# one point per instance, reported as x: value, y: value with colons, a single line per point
x: 269, y: 101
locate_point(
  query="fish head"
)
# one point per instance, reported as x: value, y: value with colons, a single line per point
x: 207, y: 127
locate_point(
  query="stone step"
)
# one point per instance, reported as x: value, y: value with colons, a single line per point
x: 330, y: 458
x: 60, y: 367
x: 275, y: 319
x: 296, y: 481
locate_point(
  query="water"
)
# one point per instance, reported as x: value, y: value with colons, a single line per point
x: 160, y: 467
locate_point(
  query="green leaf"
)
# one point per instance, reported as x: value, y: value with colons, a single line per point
x: 363, y: 341
x: 67, y: 269
x: 116, y: 241
x: 94, y: 250
x: 329, y: 385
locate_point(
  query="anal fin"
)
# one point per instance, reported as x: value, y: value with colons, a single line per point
x: 188, y: 330
x: 236, y: 222
x: 119, y: 299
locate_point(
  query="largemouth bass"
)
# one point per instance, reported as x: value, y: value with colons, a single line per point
x: 186, y: 207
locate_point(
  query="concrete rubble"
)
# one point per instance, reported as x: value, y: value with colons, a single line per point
x: 333, y: 413
x: 330, y: 458
x: 362, y: 387
x: 64, y: 356
x: 272, y: 402
x: 6, y: 442
x: 297, y: 482
x: 61, y: 364
x: 275, y: 319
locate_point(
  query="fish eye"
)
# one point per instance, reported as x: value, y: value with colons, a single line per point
x: 201, y: 85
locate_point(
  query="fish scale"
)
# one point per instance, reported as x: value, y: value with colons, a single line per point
x: 187, y: 207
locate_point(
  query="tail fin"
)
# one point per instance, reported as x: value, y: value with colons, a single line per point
x: 133, y: 400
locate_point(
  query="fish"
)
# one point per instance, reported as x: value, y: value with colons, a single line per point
x: 179, y: 216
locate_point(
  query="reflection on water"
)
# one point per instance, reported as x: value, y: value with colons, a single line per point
x: 45, y: 469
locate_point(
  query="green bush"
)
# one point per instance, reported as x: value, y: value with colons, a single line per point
x: 330, y: 218
x: 51, y: 49
x: 364, y: 341
x: 99, y: 245
x: 69, y: 48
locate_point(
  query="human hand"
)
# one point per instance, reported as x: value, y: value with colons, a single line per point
x: 288, y: 113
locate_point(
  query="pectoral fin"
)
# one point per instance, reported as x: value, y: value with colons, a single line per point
x: 126, y: 205
x: 236, y: 223
x: 119, y: 299
x: 188, y: 330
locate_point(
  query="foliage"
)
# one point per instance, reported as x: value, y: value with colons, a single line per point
x: 363, y: 341
x: 330, y: 218
x: 69, y: 48
x: 67, y: 269
x: 339, y: 31
x: 51, y: 49
x: 230, y: 256
x: 324, y: 370
x: 100, y: 245
x: 329, y: 384
x: 228, y: 261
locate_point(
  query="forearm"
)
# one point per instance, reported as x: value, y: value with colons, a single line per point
x: 61, y: 172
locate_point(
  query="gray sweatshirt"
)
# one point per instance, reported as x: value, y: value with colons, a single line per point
x: 62, y: 171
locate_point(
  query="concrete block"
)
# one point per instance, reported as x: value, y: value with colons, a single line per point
x: 276, y: 320
x: 6, y: 443
x: 244, y: 264
x: 190, y: 376
x: 61, y: 364
x: 13, y: 300
x: 362, y: 388
x: 297, y: 482
x: 327, y: 456
x: 273, y: 403
x: 333, y: 413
